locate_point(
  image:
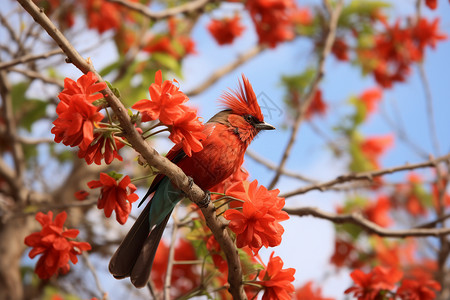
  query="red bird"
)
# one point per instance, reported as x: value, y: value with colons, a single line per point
x: 228, y: 133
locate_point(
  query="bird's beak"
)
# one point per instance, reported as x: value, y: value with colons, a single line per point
x: 264, y: 126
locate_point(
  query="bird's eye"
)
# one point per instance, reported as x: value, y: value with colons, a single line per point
x: 248, y: 118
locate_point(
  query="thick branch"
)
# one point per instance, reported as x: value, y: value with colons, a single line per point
x: 370, y: 227
x: 172, y: 171
x: 188, y: 7
x: 365, y: 176
x: 305, y: 102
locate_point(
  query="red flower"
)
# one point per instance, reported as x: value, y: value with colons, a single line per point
x: 103, y: 15
x: 76, y: 114
x: 344, y: 253
x: 81, y: 195
x: 115, y: 195
x: 85, y: 86
x: 276, y: 281
x: 432, y: 4
x: 426, y: 33
x: 418, y: 290
x: 340, y: 49
x: 240, y: 175
x: 301, y: 16
x: 257, y: 224
x: 306, y: 293
x: 187, y: 131
x: 272, y: 20
x: 165, y: 102
x: 368, y: 286
x: 378, y: 212
x: 55, y: 244
x: 226, y: 30
x: 376, y: 146
x: 317, y: 106
x: 104, y: 146
x: 370, y: 98
x: 173, y: 43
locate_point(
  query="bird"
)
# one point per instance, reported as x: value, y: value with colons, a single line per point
x: 228, y: 134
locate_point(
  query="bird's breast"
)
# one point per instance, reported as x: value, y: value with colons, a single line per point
x: 222, y: 154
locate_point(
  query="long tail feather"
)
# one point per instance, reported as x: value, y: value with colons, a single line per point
x: 125, y: 257
x: 140, y: 273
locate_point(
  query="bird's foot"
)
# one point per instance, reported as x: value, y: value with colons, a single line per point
x: 205, y: 201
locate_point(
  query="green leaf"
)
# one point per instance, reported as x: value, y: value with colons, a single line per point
x: 168, y: 61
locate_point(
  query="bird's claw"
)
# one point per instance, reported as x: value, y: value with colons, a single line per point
x: 205, y: 201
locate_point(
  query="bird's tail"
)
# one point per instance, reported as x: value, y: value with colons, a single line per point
x: 134, y: 257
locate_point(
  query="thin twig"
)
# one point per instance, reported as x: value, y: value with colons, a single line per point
x: 303, y: 106
x: 28, y: 58
x: 365, y: 176
x: 35, y: 75
x: 370, y: 227
x: 170, y: 259
x: 430, y: 110
x: 91, y: 267
x: 188, y: 7
x: 219, y: 73
x: 271, y: 166
x: 153, y: 158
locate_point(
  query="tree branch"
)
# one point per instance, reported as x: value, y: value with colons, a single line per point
x: 272, y: 166
x: 305, y: 102
x: 29, y: 57
x: 365, y: 176
x: 172, y: 171
x: 219, y: 73
x: 370, y: 227
x: 188, y: 7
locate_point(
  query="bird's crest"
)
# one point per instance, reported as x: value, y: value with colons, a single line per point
x: 242, y: 101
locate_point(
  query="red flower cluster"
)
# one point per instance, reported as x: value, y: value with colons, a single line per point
x: 397, y: 48
x: 257, y: 224
x: 102, y: 15
x: 115, y: 195
x: 226, y: 30
x: 76, y: 113
x: 173, y: 43
x: 55, y: 244
x: 317, y: 106
x: 272, y: 20
x: 376, y: 146
x: 166, y: 104
x: 276, y: 281
x: 418, y: 290
x: 378, y: 212
x: 104, y: 146
x: 306, y: 292
x: 240, y: 175
x: 371, y: 286
x: 368, y: 286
